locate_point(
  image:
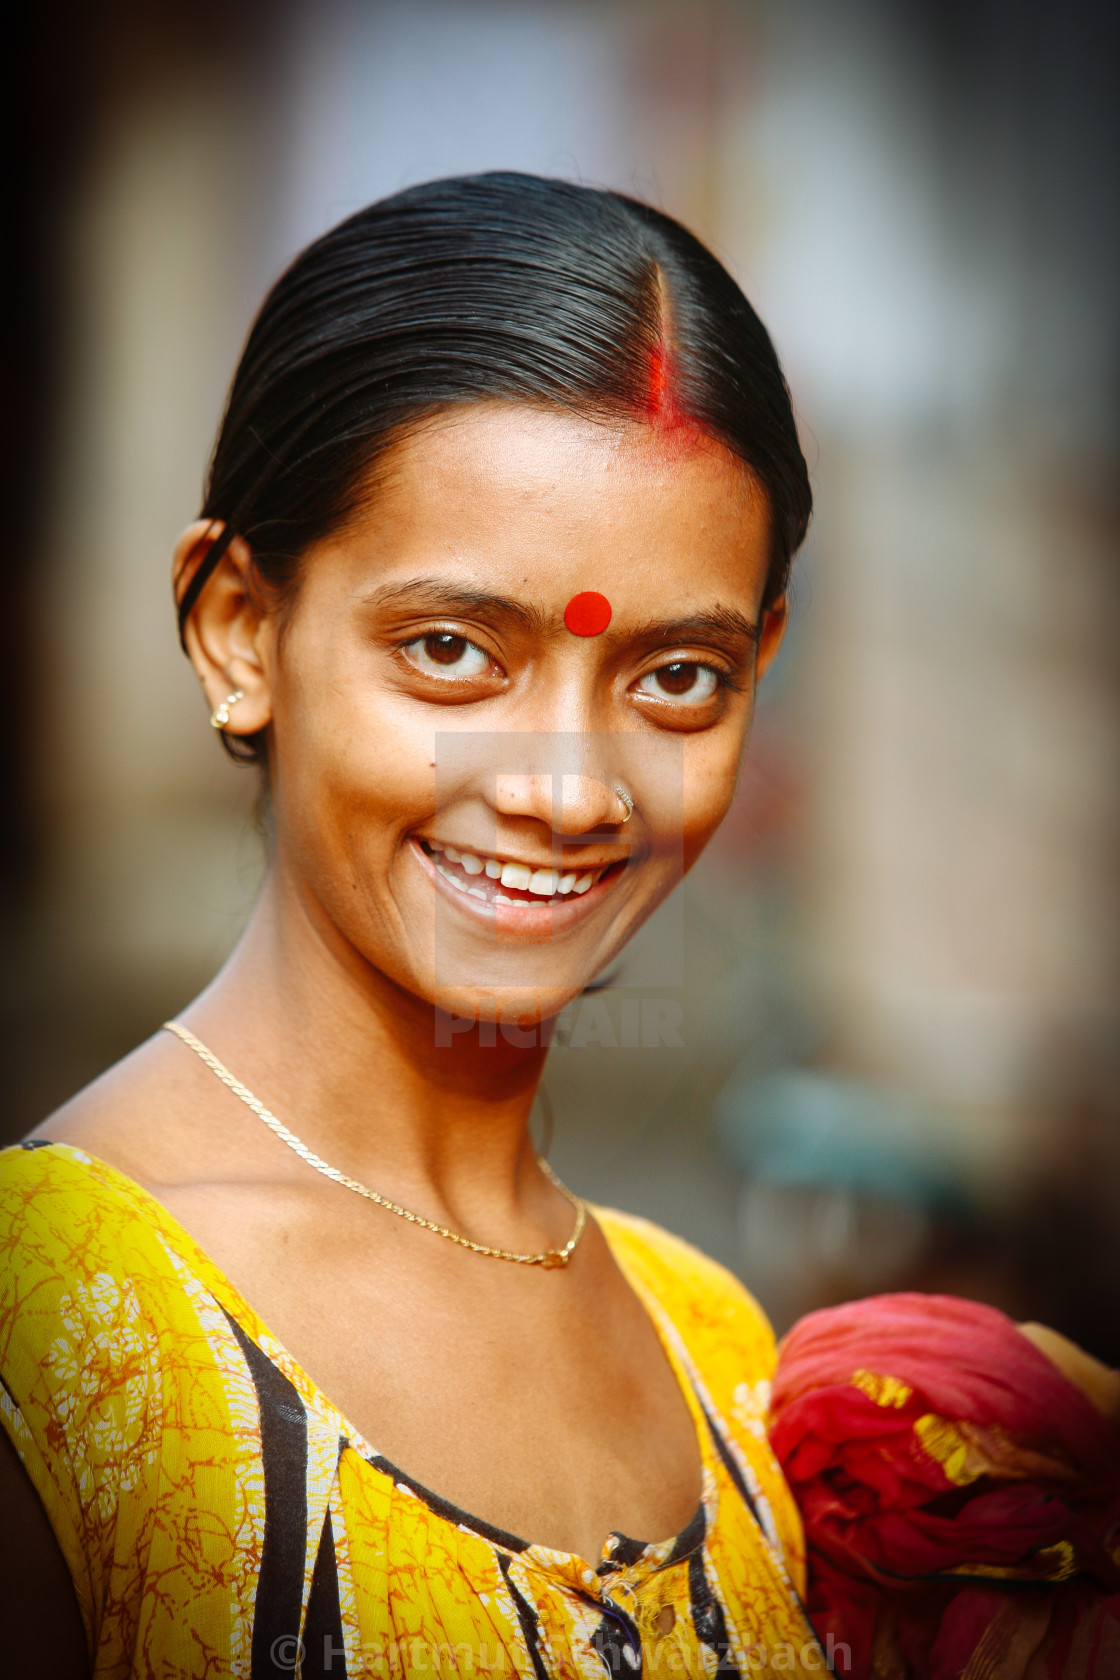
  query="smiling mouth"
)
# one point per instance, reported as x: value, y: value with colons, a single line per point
x: 497, y: 881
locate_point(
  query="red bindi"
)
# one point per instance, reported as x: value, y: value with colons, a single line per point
x: 588, y: 613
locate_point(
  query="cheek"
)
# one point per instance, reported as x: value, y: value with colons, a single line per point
x: 348, y: 774
x: 710, y: 774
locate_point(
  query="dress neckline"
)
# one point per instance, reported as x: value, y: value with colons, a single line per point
x: 619, y: 1551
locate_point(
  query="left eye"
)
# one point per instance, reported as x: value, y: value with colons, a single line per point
x: 446, y: 655
x: 683, y: 682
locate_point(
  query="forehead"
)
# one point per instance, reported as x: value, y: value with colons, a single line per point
x: 540, y: 497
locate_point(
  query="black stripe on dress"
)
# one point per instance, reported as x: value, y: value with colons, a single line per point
x: 708, y: 1618
x: 279, y: 1601
x: 527, y: 1616
x: 618, y: 1643
x: 736, y: 1475
x: 689, y: 1539
x: 623, y: 1554
x: 451, y: 1513
x: 323, y: 1645
x: 727, y: 1458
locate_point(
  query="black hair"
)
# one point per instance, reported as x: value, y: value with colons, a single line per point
x: 485, y: 286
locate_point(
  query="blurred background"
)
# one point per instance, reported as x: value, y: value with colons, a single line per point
x: 899, y: 1027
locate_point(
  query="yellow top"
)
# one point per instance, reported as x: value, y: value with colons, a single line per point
x: 220, y: 1517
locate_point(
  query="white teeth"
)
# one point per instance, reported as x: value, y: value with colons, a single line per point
x: 545, y: 883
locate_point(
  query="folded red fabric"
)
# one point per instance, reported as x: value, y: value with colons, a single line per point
x: 960, y: 1495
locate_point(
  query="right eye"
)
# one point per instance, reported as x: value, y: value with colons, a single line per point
x: 443, y: 654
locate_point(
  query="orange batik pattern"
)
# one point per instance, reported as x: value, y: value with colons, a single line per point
x: 219, y: 1517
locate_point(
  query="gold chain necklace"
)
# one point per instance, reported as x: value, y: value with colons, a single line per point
x: 550, y: 1257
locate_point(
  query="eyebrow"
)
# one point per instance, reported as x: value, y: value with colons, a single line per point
x: 436, y: 595
x: 717, y: 623
x: 433, y: 594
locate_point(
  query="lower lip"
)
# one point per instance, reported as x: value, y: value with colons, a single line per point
x: 531, y: 921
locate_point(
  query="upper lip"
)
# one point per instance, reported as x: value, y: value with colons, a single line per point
x: 553, y: 861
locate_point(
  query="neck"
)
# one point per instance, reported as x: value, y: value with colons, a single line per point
x: 349, y: 1061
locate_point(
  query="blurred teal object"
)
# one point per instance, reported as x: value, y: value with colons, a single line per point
x: 795, y: 1127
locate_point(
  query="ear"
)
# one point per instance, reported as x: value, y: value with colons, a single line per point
x: 774, y: 621
x: 228, y: 633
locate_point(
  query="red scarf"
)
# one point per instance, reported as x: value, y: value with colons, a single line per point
x: 960, y: 1495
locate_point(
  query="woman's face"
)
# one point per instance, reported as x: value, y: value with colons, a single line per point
x: 445, y: 749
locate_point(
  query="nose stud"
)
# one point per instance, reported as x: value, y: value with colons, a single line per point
x: 626, y: 800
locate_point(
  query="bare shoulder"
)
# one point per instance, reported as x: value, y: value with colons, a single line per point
x: 141, y: 1115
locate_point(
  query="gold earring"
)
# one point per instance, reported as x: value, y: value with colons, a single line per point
x: 220, y: 717
x: 626, y: 800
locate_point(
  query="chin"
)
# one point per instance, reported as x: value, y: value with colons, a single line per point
x: 504, y: 1005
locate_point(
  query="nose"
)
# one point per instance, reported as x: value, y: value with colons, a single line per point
x: 584, y: 802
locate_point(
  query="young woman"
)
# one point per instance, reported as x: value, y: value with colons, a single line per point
x: 309, y: 1364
